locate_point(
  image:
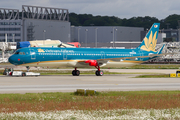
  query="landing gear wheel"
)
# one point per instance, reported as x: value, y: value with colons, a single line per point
x: 23, y: 74
x: 99, y: 73
x: 75, y: 72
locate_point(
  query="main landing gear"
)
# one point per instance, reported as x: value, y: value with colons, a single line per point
x: 75, y: 72
x: 98, y: 72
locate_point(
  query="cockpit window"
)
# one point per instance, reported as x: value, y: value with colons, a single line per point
x: 20, y: 53
x: 16, y: 53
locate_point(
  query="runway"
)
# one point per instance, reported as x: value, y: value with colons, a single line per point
x: 68, y: 83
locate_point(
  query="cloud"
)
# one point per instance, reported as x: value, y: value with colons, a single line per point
x: 119, y: 8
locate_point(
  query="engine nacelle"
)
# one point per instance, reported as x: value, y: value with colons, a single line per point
x: 92, y: 62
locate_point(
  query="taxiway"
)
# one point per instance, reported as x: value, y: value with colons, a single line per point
x: 68, y: 83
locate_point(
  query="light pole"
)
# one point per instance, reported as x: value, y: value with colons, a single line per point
x: 44, y: 36
x: 114, y: 35
x: 96, y: 29
x: 78, y: 35
x: 13, y: 37
x: 86, y: 30
x: 6, y: 38
x: 44, y: 31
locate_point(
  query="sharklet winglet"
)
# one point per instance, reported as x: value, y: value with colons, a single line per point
x: 160, y: 50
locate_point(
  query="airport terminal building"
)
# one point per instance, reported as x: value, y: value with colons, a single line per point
x: 34, y: 23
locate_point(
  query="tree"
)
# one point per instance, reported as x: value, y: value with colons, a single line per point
x: 146, y: 22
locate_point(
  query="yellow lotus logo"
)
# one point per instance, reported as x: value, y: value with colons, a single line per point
x: 41, y: 50
x: 150, y: 43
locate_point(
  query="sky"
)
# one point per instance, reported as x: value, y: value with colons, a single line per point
x: 118, y: 8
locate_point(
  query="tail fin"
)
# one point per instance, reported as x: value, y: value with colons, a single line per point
x: 150, y: 40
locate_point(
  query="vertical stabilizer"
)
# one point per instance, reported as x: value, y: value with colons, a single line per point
x: 150, y: 40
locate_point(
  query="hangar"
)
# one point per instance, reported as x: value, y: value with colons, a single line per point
x: 34, y: 23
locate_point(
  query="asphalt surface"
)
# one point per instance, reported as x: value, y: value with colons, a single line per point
x: 68, y: 83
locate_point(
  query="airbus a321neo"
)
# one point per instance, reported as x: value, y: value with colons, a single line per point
x: 89, y: 57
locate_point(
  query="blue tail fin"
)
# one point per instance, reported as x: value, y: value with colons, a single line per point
x: 150, y: 40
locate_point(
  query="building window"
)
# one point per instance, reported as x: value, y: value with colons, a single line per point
x: 10, y: 34
x: 10, y: 23
x: 10, y: 29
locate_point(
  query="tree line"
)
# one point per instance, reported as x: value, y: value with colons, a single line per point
x: 89, y: 20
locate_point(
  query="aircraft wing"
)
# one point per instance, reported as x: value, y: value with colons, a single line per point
x: 133, y: 57
x: 128, y: 58
x: 103, y: 62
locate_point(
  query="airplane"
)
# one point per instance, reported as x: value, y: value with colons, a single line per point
x: 89, y: 57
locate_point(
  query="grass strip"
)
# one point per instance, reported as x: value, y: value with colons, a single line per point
x: 154, y: 76
x: 150, y: 66
x: 69, y: 72
x: 63, y: 72
x: 139, y: 66
x: 36, y: 102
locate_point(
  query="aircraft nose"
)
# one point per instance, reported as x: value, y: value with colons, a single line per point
x: 12, y: 60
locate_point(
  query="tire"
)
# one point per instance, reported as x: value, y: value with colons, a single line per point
x: 101, y: 73
x: 23, y: 74
x: 97, y: 73
x: 77, y: 72
x: 73, y: 72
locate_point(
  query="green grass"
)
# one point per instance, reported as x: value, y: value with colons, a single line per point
x: 62, y: 96
x: 64, y: 72
x: 139, y: 66
x: 36, y: 102
x: 69, y: 72
x: 132, y: 93
x: 154, y: 76
x: 152, y: 66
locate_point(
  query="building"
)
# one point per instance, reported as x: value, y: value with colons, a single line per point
x: 34, y: 23
x: 109, y: 36
x: 172, y: 35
